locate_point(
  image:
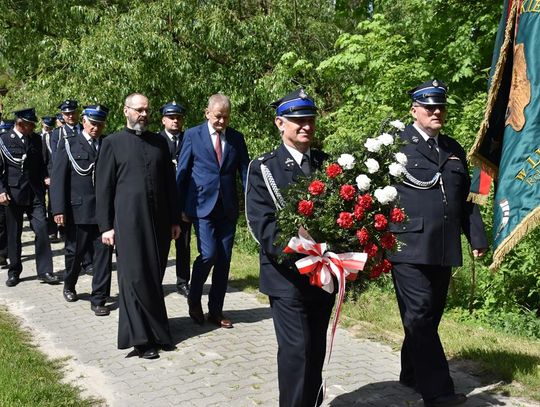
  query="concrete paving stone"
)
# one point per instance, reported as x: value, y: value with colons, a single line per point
x: 211, y: 366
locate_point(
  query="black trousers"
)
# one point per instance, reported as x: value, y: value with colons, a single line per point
x: 183, y: 253
x: 70, y: 244
x: 421, y: 292
x: 88, y: 237
x: 3, y: 233
x: 52, y: 227
x: 38, y: 222
x: 301, y: 327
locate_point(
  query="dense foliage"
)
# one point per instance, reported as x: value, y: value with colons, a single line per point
x: 356, y: 57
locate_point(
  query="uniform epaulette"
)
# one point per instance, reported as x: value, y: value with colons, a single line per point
x: 266, y: 156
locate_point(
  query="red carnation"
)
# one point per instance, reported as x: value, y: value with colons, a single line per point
x: 359, y: 212
x: 371, y: 249
x: 316, y: 187
x: 365, y: 201
x: 388, y: 241
x: 333, y: 170
x: 363, y: 236
x: 383, y: 267
x: 345, y: 220
x: 397, y: 215
x: 380, y: 222
x: 305, y: 207
x: 375, y: 271
x: 347, y: 192
x: 386, y: 266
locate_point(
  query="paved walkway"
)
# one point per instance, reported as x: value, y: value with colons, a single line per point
x: 210, y: 367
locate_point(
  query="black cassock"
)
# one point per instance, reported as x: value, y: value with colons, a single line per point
x: 136, y: 195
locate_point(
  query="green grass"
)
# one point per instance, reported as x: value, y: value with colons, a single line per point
x: 27, y: 377
x: 374, y: 314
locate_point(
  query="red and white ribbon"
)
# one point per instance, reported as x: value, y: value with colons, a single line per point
x: 320, y: 265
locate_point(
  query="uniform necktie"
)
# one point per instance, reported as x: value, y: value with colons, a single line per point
x: 217, y: 147
x: 175, y: 141
x: 433, y: 145
x: 95, y: 144
x: 305, y: 165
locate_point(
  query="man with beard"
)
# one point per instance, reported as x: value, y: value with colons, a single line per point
x: 137, y: 210
x: 22, y: 190
x: 172, y: 118
x: 74, y: 201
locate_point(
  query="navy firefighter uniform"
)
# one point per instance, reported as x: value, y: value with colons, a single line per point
x: 74, y: 198
x: 434, y: 196
x: 22, y: 189
x: 301, y: 312
x: 172, y: 114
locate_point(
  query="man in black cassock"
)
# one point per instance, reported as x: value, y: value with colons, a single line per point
x: 137, y: 210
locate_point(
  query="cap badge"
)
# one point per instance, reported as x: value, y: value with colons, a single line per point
x: 435, y: 83
x: 302, y: 94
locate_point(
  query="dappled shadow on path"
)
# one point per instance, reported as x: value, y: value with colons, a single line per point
x: 393, y: 394
x: 183, y: 327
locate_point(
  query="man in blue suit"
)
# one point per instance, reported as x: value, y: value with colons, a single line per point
x: 210, y: 158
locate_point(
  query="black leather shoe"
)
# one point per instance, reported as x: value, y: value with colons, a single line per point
x: 3, y: 261
x: 49, y: 278
x: 12, y: 281
x: 100, y: 310
x: 89, y: 270
x: 147, y: 352
x: 183, y: 289
x: 446, y: 400
x: 70, y: 295
x: 196, y: 312
x: 220, y: 321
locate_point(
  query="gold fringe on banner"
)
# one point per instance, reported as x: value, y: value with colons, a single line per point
x: 474, y: 156
x: 531, y: 221
x: 479, y: 199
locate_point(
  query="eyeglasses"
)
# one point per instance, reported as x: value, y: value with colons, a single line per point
x: 139, y: 110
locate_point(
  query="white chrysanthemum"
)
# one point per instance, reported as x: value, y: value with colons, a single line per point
x: 372, y: 165
x: 386, y: 139
x: 401, y: 158
x: 373, y: 145
x: 398, y: 125
x: 396, y: 169
x: 363, y: 182
x: 386, y: 195
x: 346, y: 161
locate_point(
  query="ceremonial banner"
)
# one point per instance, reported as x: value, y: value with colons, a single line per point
x: 508, y: 144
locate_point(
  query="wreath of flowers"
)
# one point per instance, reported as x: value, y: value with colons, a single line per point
x: 350, y: 203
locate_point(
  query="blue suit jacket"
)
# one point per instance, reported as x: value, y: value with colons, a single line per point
x: 199, y: 177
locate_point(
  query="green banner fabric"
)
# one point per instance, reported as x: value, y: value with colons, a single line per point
x: 517, y: 198
x: 486, y: 151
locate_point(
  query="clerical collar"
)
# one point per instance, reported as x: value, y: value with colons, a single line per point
x: 136, y: 132
x: 297, y: 155
x: 424, y: 135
